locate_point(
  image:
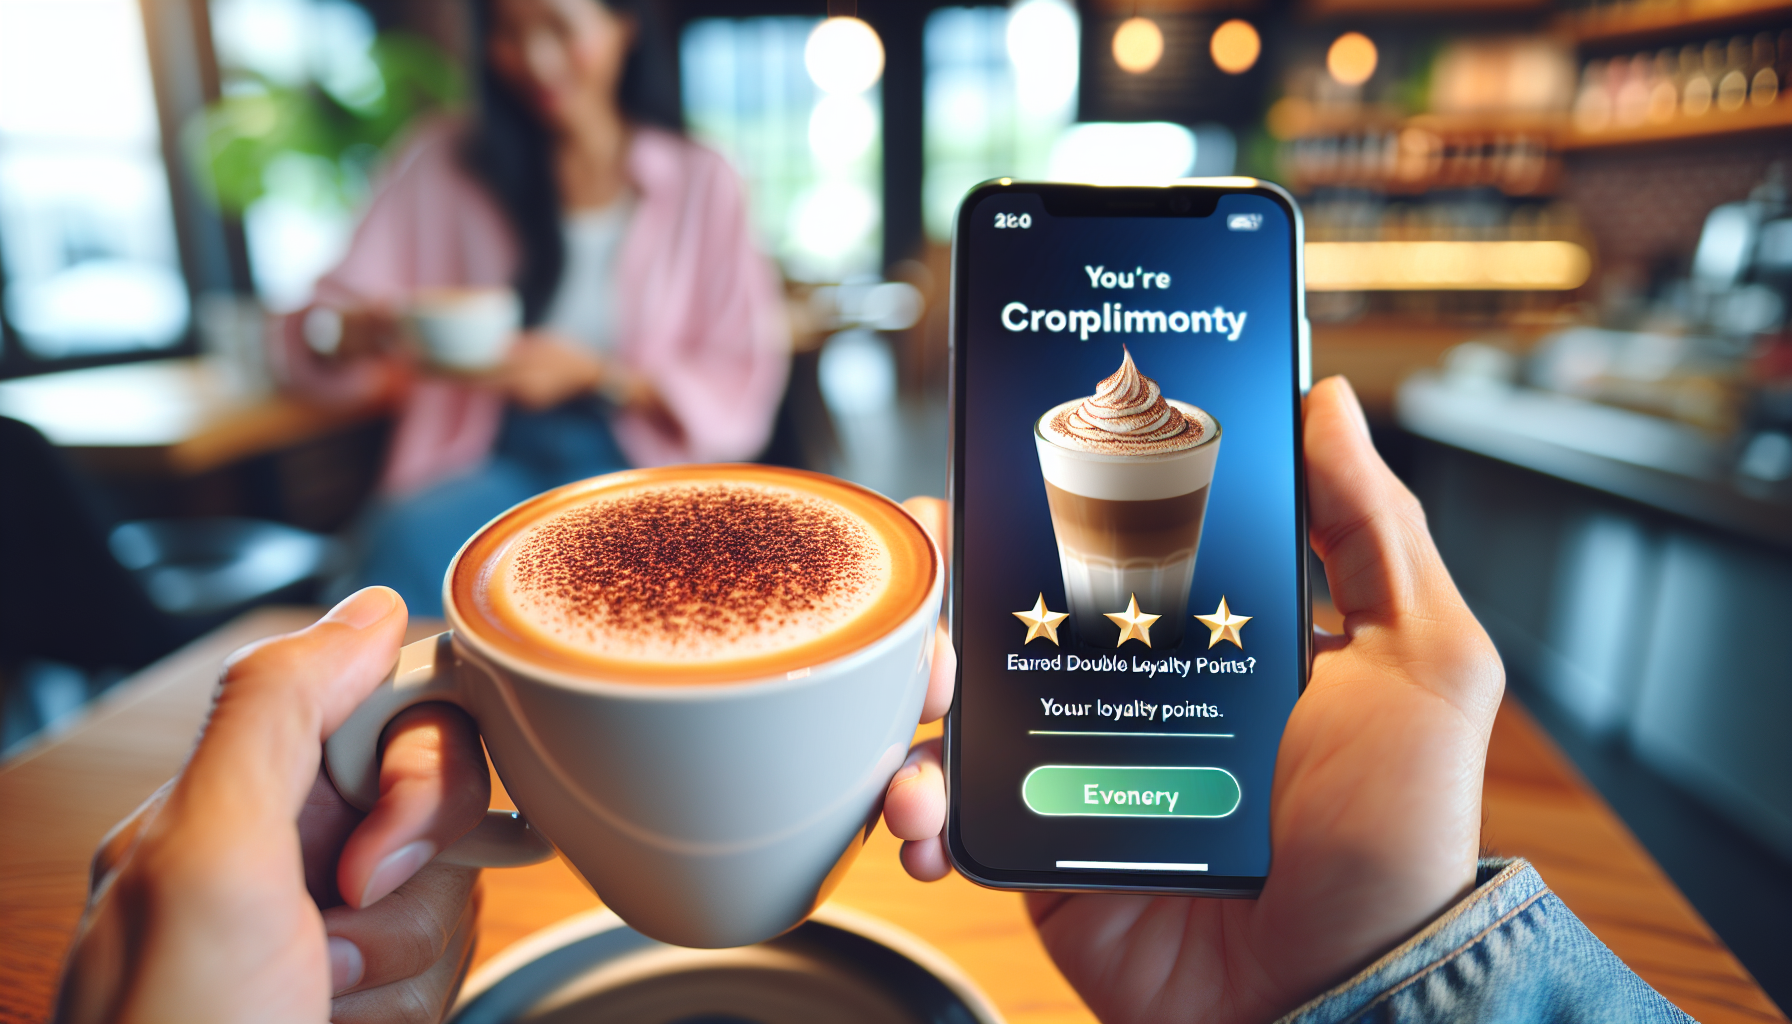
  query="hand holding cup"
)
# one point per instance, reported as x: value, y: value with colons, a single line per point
x: 248, y: 889
x: 696, y: 683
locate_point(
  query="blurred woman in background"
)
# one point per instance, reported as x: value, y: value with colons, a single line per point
x: 653, y: 329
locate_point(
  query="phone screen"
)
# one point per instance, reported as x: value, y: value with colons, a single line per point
x: 1129, y: 598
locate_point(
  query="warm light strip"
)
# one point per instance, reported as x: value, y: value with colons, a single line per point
x: 1446, y: 266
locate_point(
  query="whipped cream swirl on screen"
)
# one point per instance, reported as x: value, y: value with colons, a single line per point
x: 1127, y: 415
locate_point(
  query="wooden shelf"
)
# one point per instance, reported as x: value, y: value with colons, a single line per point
x: 1716, y: 124
x: 1425, y: 8
x: 1564, y: 138
x: 1644, y: 24
x: 1292, y: 122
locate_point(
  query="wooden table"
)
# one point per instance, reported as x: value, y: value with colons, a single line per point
x: 59, y: 797
x: 166, y: 417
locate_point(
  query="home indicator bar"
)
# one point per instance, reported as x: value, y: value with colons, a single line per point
x: 1130, y: 865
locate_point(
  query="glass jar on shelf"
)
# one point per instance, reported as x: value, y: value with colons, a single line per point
x: 1696, y: 64
x: 1764, y: 82
x: 1732, y: 85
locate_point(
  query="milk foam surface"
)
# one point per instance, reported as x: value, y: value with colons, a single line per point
x: 694, y: 572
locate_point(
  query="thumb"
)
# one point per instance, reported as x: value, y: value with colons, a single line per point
x: 1365, y: 525
x: 259, y: 754
x: 1400, y: 607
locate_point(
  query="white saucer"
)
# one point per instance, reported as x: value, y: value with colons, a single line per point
x: 840, y: 965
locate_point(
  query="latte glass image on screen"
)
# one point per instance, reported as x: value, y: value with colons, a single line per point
x: 1127, y: 473
x: 696, y: 683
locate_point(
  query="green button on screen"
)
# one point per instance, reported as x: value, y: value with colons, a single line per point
x: 1105, y: 791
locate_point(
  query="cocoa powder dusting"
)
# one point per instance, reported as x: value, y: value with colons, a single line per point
x: 715, y: 561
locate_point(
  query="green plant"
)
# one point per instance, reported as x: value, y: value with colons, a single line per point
x: 318, y: 141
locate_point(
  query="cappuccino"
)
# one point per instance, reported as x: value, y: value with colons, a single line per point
x: 1127, y: 473
x: 692, y: 575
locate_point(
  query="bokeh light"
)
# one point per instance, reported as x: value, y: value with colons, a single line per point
x: 1351, y: 60
x: 844, y: 56
x: 1042, y: 47
x: 1131, y: 153
x: 1235, y: 46
x: 842, y: 128
x: 834, y: 218
x: 1138, y: 45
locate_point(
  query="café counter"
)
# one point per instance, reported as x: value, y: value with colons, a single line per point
x: 1626, y: 570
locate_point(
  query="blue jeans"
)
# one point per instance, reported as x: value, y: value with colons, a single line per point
x: 407, y: 544
x: 1510, y: 951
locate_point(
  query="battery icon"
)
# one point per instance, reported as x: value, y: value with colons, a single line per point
x: 1244, y: 221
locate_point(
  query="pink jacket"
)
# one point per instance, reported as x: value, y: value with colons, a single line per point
x: 702, y: 318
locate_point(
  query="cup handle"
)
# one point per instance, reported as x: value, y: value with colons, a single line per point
x: 425, y: 672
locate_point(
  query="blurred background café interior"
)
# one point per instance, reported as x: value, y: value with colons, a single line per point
x: 1548, y: 241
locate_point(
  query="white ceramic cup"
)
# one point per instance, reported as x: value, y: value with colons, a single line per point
x: 704, y: 814
x: 465, y: 329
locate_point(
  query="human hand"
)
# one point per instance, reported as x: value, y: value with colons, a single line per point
x: 543, y: 370
x: 915, y: 803
x: 248, y: 889
x: 346, y: 334
x: 1376, y: 809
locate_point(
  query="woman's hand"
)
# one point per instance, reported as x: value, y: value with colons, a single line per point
x: 543, y: 370
x: 1376, y: 812
x: 247, y: 889
x: 350, y: 334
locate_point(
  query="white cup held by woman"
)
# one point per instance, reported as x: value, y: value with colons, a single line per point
x: 468, y: 330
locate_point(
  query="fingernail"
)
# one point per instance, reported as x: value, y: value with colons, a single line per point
x: 907, y: 772
x: 364, y: 608
x: 398, y: 866
x: 346, y: 965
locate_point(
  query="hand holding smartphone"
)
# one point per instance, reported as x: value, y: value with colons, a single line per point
x: 1375, y: 770
x: 1130, y: 600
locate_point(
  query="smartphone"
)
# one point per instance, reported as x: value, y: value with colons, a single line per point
x: 1129, y: 593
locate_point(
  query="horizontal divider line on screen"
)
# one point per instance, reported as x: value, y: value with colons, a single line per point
x: 1085, y: 732
x: 1131, y: 865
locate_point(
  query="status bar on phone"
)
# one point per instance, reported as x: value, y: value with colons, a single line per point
x: 1131, y: 865
x: 1086, y: 732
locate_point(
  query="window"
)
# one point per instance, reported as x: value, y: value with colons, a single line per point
x: 291, y: 70
x: 87, y: 240
x: 1001, y: 87
x: 1001, y: 99
x: 811, y: 158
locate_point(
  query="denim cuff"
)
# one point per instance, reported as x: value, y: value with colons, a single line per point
x: 1510, y: 950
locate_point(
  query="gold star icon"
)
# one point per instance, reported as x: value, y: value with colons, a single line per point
x: 1134, y: 624
x: 1224, y: 625
x: 1041, y: 622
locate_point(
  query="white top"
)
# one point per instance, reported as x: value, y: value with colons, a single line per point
x: 585, y: 304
